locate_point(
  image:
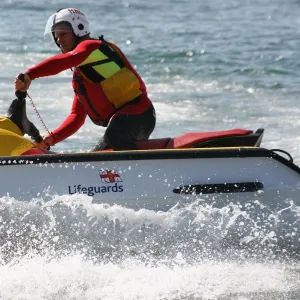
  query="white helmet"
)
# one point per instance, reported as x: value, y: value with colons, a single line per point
x: 72, y: 16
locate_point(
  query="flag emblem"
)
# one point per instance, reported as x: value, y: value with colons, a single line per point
x: 109, y: 176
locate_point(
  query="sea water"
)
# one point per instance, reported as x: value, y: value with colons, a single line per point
x: 208, y: 66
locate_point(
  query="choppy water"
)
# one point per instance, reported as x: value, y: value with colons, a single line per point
x: 71, y: 249
x: 208, y: 66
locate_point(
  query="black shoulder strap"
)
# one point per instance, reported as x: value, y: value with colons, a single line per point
x: 111, y: 53
x: 101, y: 38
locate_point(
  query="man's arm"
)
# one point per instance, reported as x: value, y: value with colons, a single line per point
x: 61, y: 62
x: 72, y: 123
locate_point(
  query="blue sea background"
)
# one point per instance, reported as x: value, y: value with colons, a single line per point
x: 208, y: 66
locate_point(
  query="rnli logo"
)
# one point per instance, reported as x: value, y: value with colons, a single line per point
x: 75, y: 11
x: 109, y: 176
x: 112, y: 184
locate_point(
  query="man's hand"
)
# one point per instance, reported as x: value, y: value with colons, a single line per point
x: 22, y: 86
x: 46, y: 142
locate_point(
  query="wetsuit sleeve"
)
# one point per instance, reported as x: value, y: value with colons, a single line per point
x: 72, y: 123
x: 61, y: 62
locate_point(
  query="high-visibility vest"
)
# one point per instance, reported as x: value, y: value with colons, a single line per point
x: 105, y: 66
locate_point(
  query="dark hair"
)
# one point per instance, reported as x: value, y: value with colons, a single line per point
x: 65, y: 23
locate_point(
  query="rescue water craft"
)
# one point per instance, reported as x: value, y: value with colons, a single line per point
x: 214, y: 167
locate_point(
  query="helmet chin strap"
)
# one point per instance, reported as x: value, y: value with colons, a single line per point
x: 77, y: 41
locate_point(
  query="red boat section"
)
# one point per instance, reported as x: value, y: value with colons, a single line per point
x: 189, y: 139
x: 37, y: 151
x: 183, y: 141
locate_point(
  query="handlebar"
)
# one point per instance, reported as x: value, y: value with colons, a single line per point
x: 20, y: 94
x: 30, y: 128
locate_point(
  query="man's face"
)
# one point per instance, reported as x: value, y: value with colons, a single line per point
x: 65, y: 37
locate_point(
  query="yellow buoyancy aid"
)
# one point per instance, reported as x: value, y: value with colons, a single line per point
x: 12, y: 141
x: 105, y: 66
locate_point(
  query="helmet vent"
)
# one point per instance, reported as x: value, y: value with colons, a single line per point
x: 80, y: 27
